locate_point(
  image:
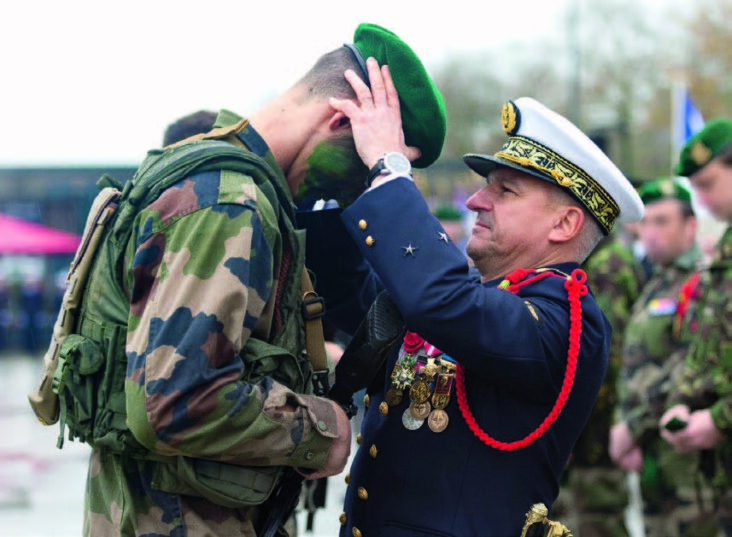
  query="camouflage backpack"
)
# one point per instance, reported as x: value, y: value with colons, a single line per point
x: 85, y: 365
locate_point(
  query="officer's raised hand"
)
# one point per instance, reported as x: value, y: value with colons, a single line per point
x: 375, y: 115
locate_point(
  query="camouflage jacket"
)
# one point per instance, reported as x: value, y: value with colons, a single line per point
x: 616, y: 279
x: 201, y: 268
x: 706, y: 381
x: 653, y: 349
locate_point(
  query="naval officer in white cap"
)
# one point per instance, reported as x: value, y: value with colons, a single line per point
x: 478, y: 408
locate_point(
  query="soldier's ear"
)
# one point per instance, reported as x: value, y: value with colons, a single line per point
x: 338, y: 123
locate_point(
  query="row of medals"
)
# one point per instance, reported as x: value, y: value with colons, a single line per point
x: 428, y: 379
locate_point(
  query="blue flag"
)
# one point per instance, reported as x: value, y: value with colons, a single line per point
x: 692, y: 120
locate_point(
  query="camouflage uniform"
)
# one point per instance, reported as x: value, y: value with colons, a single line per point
x: 595, y: 494
x: 202, y: 272
x: 706, y: 380
x: 675, y: 496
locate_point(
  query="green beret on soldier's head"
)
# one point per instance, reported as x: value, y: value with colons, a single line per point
x: 664, y: 188
x: 704, y: 146
x: 423, y: 110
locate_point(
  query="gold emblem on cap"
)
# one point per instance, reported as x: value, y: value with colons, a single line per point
x: 510, y: 117
x: 700, y: 153
x: 667, y: 188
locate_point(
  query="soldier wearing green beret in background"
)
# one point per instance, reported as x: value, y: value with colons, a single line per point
x: 451, y: 219
x: 676, y: 498
x: 700, y: 404
x: 208, y: 369
x: 595, y: 492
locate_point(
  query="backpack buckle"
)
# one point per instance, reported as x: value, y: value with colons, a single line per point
x: 313, y: 307
x: 321, y: 385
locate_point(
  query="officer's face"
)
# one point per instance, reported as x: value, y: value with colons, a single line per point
x: 513, y: 218
x: 713, y: 186
x: 665, y: 232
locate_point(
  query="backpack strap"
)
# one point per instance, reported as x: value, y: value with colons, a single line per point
x: 313, y: 308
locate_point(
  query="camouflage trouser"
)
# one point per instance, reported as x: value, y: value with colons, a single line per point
x: 677, y: 500
x: 592, y: 502
x: 724, y: 497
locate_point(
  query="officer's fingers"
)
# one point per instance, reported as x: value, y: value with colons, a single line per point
x: 377, y: 82
x: 362, y: 91
x: 392, y: 96
x: 348, y: 107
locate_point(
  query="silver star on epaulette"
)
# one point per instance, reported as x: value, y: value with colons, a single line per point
x: 443, y: 236
x: 409, y: 250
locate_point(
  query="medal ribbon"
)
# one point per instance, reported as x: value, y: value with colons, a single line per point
x: 576, y: 288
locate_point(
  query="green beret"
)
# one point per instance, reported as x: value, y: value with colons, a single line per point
x: 448, y: 213
x: 704, y: 146
x: 664, y: 188
x: 423, y: 110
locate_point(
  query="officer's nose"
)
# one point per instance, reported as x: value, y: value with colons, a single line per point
x: 481, y: 200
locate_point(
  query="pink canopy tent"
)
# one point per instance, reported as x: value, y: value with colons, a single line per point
x: 22, y: 237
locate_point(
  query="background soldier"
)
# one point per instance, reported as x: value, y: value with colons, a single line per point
x: 675, y: 499
x: 702, y: 399
x: 595, y: 492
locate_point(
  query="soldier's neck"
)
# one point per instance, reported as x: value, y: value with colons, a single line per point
x: 288, y: 124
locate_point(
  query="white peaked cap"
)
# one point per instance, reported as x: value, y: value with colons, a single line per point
x: 548, y: 146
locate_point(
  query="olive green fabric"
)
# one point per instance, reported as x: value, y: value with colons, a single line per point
x: 423, y: 110
x: 704, y: 146
x: 664, y: 188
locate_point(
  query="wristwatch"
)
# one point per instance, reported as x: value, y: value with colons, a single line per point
x: 390, y: 164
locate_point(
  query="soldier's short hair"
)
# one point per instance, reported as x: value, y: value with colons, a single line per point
x: 725, y: 155
x: 687, y: 210
x: 325, y: 78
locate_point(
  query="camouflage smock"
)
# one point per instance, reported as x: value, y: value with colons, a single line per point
x: 201, y: 268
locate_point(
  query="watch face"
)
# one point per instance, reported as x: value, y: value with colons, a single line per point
x: 397, y: 163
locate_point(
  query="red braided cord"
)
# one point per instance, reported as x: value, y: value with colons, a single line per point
x: 575, y: 289
x: 515, y: 287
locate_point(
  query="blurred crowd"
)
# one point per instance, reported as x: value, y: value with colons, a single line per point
x: 29, y: 304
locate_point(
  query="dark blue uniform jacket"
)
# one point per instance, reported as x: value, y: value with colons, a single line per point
x: 450, y: 484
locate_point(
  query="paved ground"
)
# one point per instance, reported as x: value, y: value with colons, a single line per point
x: 41, y: 487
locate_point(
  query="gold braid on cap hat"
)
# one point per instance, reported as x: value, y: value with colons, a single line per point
x: 530, y: 154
